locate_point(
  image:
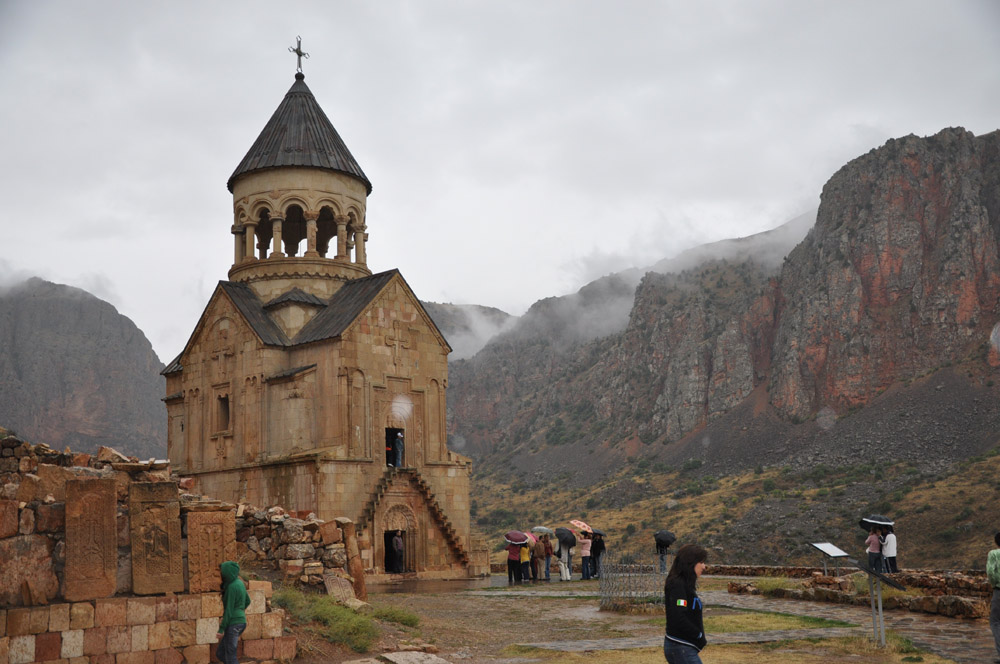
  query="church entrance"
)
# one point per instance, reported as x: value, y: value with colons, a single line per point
x: 395, y: 552
x: 390, y: 450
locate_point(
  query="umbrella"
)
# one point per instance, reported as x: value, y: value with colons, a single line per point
x: 598, y: 531
x: 542, y: 530
x: 581, y: 525
x: 531, y: 538
x: 664, y: 538
x: 566, y: 537
x: 515, y: 537
x: 875, y: 520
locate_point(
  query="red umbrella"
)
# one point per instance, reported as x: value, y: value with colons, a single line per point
x: 515, y: 537
x: 581, y: 525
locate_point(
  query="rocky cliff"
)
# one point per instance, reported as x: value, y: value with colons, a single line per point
x: 741, y: 361
x: 75, y: 372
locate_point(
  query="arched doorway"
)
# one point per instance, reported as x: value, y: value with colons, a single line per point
x: 399, y: 557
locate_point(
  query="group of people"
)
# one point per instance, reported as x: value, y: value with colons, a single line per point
x: 533, y: 561
x: 881, y: 549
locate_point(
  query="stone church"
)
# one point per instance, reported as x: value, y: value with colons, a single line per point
x: 305, y: 366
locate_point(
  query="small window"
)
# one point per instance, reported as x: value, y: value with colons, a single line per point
x: 222, y: 413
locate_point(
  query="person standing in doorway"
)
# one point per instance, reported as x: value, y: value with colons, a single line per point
x: 993, y: 574
x: 397, y: 552
x: 234, y: 618
x: 397, y: 447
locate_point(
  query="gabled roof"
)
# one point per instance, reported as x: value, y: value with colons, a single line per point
x: 345, y: 305
x: 296, y: 295
x: 253, y: 311
x: 299, y: 134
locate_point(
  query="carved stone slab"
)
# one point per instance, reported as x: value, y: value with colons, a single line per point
x: 91, y: 539
x: 211, y: 542
x: 155, y: 522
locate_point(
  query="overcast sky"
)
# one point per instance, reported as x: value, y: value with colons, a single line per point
x: 517, y: 150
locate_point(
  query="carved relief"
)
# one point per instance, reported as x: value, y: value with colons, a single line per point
x: 211, y: 541
x: 154, y: 517
x: 356, y: 422
x: 91, y: 537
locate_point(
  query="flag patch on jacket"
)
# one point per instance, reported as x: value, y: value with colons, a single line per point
x: 682, y: 602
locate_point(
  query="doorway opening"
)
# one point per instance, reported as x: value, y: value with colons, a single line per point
x: 390, y: 449
x: 395, y: 552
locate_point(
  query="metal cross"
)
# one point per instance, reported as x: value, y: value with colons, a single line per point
x: 298, y: 51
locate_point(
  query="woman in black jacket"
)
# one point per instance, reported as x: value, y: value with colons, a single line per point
x: 685, y: 633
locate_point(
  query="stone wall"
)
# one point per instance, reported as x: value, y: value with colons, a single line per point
x: 106, y: 562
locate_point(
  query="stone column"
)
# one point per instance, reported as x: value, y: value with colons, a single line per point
x: 239, y: 245
x: 341, y: 237
x: 354, y: 565
x: 311, y: 218
x: 276, y: 248
x: 360, y: 237
x: 250, y: 237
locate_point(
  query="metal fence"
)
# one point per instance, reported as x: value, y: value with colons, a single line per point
x: 631, y: 584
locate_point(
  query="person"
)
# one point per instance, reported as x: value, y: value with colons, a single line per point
x: 548, y: 557
x: 513, y: 563
x: 585, y: 544
x: 397, y: 552
x: 537, y: 556
x: 397, y: 447
x: 564, y: 559
x: 524, y: 557
x: 874, y: 550
x: 685, y: 636
x: 993, y: 574
x: 596, y: 551
x: 235, y: 600
x: 661, y: 550
x: 889, y: 549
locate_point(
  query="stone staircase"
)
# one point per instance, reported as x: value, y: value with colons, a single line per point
x: 390, y: 474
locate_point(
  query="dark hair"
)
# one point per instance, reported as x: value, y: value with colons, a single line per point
x: 996, y: 538
x: 687, y: 557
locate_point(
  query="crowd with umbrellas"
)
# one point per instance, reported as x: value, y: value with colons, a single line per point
x: 530, y: 553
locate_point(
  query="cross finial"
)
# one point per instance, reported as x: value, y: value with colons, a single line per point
x: 298, y: 51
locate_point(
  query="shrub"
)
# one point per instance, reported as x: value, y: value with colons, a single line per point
x: 341, y: 625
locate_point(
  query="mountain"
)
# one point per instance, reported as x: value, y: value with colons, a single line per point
x: 734, y: 360
x: 74, y: 372
x: 467, y: 327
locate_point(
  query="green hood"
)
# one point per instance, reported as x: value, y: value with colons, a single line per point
x: 230, y: 572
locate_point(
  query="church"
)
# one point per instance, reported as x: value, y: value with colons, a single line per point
x: 306, y: 371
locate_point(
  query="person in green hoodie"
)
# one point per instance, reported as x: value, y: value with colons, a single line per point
x: 234, y: 618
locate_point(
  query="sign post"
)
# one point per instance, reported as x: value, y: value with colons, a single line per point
x: 830, y: 551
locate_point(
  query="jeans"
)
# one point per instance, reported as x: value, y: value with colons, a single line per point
x: 678, y: 653
x: 595, y: 563
x: 548, y: 566
x: 875, y: 561
x: 995, y: 619
x: 226, y: 650
x: 585, y: 567
x: 513, y: 570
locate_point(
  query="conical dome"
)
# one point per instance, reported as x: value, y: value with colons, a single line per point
x: 299, y: 134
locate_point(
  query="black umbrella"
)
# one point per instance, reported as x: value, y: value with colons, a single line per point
x: 598, y: 531
x: 877, y: 520
x: 566, y: 537
x: 664, y: 538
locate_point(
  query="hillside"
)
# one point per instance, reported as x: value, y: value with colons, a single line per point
x: 74, y: 372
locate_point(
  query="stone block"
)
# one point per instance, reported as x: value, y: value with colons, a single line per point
x: 21, y: 649
x: 211, y: 539
x: 330, y: 533
x: 258, y: 602
x: 59, y: 617
x: 183, y: 633
x: 135, y: 657
x: 48, y: 646
x: 72, y: 643
x: 79, y: 660
x: 141, y: 611
x: 39, y: 621
x: 196, y: 654
x: 264, y: 586
x: 284, y: 648
x: 211, y: 605
x: 4, y: 649
x: 291, y: 567
x: 166, y: 610
x: 95, y: 641
x: 111, y: 612
x: 254, y: 623
x: 206, y: 630
x: 27, y: 558
x: 155, y: 528
x: 188, y: 607
x: 140, y: 637
x: 50, y: 518
x: 258, y: 649
x: 91, y: 551
x: 26, y: 525
x: 81, y: 615
x: 271, y: 624
x: 9, y: 520
x: 119, y: 639
x: 18, y: 622
x: 158, y: 637
x: 3, y: 624
x: 168, y: 656
x: 103, y: 659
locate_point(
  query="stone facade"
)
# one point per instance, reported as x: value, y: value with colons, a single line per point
x: 305, y: 365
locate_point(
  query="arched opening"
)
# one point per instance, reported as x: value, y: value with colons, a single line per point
x: 399, y: 541
x: 395, y: 447
x: 293, y: 230
x: 326, y: 232
x: 263, y: 234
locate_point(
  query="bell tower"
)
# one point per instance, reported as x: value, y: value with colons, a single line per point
x: 299, y: 200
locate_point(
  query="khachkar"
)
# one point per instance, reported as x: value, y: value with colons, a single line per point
x: 211, y: 541
x: 91, y: 539
x: 155, y: 522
